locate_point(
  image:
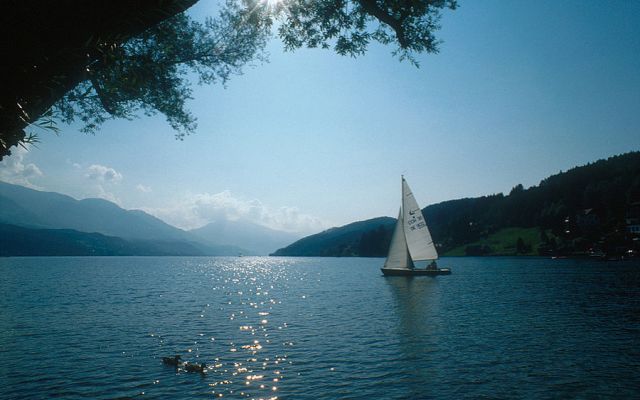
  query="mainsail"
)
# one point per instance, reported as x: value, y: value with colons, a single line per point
x: 417, y: 236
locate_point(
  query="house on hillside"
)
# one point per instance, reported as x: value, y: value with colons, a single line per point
x: 588, y: 220
x: 632, y: 219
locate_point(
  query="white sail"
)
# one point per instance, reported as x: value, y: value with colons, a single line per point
x: 417, y: 235
x: 398, y: 256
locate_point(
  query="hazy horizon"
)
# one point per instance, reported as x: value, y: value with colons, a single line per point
x: 312, y: 140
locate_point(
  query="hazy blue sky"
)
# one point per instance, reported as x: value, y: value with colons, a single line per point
x: 519, y: 91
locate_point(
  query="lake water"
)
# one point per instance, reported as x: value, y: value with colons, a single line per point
x: 317, y: 328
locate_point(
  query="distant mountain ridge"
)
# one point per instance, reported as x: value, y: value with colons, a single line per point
x: 590, y: 209
x: 258, y: 240
x: 20, y: 241
x: 44, y: 214
x: 48, y: 214
x: 31, y: 208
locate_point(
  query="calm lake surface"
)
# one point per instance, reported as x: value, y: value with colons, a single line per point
x: 317, y: 328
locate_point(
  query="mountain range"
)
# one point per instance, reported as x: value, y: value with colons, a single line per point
x: 34, y: 222
x: 591, y: 209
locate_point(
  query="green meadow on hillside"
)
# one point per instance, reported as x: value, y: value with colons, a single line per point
x: 503, y: 243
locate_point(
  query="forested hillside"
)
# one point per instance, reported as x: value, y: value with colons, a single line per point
x: 368, y: 238
x: 591, y: 209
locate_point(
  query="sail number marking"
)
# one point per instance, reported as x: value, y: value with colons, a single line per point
x: 415, y: 219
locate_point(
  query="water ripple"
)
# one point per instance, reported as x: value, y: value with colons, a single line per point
x: 304, y: 328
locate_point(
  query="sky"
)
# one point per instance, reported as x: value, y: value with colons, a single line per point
x: 519, y: 91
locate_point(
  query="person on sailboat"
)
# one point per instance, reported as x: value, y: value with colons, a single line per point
x: 432, y: 265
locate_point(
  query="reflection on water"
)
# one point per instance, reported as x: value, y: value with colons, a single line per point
x: 310, y: 328
x: 416, y: 302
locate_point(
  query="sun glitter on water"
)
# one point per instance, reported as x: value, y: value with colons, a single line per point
x: 272, y: 4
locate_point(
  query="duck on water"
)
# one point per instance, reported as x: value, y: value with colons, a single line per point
x: 195, y: 367
x: 176, y: 361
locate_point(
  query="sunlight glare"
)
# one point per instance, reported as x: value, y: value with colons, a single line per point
x: 272, y: 3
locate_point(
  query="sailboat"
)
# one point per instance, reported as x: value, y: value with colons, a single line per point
x: 411, y: 241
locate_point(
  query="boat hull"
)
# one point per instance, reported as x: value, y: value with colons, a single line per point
x: 414, y: 272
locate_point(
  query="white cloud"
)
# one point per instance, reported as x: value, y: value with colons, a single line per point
x: 100, y: 192
x: 13, y: 169
x: 102, y: 173
x: 196, y: 210
x: 144, y: 189
x: 102, y: 180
